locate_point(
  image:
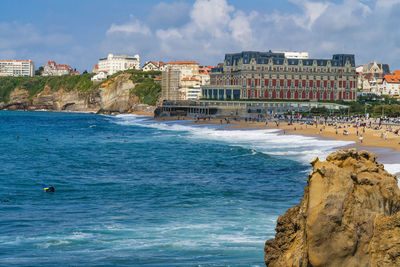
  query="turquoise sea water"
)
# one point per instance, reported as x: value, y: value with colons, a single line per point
x: 134, y: 192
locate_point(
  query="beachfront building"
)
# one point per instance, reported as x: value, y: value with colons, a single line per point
x: 370, y: 75
x: 390, y: 85
x: 153, y: 66
x: 113, y: 64
x: 181, y: 81
x: 53, y: 69
x: 25, y: 68
x: 204, y: 73
x: 269, y: 75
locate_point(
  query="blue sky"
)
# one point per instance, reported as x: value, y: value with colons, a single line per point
x: 78, y: 33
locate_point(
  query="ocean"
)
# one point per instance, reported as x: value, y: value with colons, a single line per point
x: 136, y: 192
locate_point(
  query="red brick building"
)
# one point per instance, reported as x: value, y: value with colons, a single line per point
x: 259, y: 75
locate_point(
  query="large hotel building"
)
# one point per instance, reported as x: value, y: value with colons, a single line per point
x: 272, y: 75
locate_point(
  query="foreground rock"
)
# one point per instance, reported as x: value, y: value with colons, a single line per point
x: 349, y: 216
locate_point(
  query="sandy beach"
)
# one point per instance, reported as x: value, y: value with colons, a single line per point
x: 369, y: 137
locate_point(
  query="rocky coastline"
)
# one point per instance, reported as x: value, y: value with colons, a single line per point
x: 110, y: 98
x: 349, y: 216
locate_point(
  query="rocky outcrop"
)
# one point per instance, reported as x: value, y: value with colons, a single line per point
x: 112, y: 97
x: 349, y: 216
x: 20, y: 100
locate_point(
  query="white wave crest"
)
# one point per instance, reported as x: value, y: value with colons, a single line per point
x: 272, y: 142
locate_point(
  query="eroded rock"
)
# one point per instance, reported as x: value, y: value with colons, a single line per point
x: 348, y: 216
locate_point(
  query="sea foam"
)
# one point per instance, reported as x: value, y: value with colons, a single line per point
x: 272, y: 142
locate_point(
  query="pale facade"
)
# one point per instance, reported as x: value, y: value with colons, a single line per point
x: 95, y: 69
x: 290, y: 54
x: 153, y: 66
x: 113, y: 64
x: 204, y: 73
x: 170, y: 84
x: 189, y: 81
x: 52, y: 69
x: 100, y: 76
x: 370, y: 75
x: 25, y: 68
x: 390, y: 85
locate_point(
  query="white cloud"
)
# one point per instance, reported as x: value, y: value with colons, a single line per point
x: 215, y: 27
x: 211, y: 16
x: 131, y: 27
x: 240, y: 26
x: 386, y: 3
x: 311, y: 12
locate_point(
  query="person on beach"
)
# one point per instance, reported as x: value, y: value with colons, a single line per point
x: 361, y: 138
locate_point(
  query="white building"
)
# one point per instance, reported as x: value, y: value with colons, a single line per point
x: 113, y: 64
x: 371, y: 76
x: 153, y: 66
x: 193, y: 93
x: 293, y: 54
x: 390, y: 85
x: 52, y: 69
x: 100, y: 76
x: 17, y: 68
x: 182, y: 80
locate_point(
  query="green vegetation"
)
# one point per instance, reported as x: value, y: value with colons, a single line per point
x: 37, y: 83
x: 146, y: 88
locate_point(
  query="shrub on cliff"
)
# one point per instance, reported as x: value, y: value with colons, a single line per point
x: 147, y: 91
x: 37, y: 83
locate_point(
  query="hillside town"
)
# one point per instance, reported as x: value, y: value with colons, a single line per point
x: 246, y: 75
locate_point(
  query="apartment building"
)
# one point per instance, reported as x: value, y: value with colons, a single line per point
x: 17, y: 68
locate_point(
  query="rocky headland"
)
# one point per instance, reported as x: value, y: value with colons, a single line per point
x: 349, y: 216
x: 116, y: 95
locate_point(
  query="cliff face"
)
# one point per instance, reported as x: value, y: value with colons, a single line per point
x: 349, y: 216
x: 109, y: 97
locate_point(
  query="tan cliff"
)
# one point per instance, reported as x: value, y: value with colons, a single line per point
x: 349, y: 216
x: 110, y: 97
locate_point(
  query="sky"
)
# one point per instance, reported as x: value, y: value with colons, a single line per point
x: 79, y: 32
